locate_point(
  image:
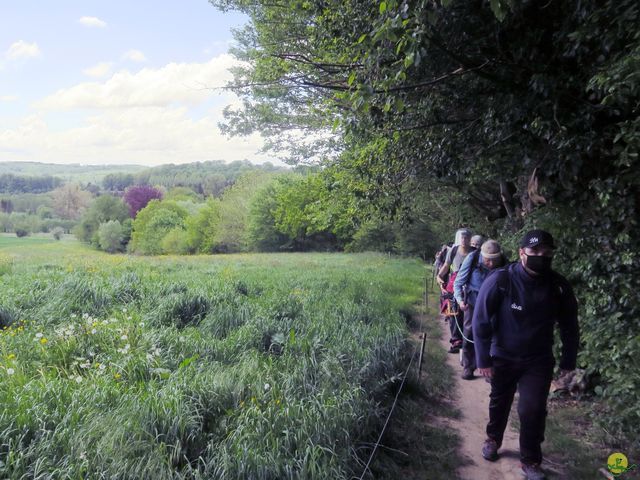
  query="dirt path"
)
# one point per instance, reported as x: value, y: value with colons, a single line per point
x: 473, y: 403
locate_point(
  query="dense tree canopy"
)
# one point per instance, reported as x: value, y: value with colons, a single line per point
x: 26, y: 184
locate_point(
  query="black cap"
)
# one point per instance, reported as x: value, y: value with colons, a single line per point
x: 537, y: 237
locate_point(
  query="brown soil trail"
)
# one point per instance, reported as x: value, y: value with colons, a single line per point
x: 472, y: 400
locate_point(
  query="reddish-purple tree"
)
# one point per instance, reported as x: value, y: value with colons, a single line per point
x: 138, y: 196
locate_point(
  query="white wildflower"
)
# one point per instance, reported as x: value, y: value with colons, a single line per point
x: 10, y: 371
x: 78, y: 379
x: 267, y: 386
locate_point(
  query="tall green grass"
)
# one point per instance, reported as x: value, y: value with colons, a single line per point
x: 247, y: 366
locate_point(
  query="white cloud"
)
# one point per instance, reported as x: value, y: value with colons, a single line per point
x: 134, y: 56
x: 92, y: 22
x: 99, y: 70
x: 147, y: 136
x: 22, y: 49
x: 144, y: 118
x: 8, y: 98
x: 218, y: 46
x: 175, y: 83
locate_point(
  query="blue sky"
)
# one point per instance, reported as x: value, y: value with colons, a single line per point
x: 110, y: 81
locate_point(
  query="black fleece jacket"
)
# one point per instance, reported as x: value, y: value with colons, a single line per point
x: 515, y: 314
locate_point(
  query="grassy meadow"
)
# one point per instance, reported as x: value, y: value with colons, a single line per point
x: 238, y: 366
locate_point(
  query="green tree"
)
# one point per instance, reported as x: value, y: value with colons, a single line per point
x: 201, y: 227
x: 230, y: 234
x: 262, y: 234
x: 110, y: 236
x: 103, y: 209
x: 175, y: 242
x: 153, y: 223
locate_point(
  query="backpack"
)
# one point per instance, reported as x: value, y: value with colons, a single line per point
x: 504, y: 282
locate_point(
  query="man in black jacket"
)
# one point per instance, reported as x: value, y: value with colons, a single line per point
x: 513, y: 322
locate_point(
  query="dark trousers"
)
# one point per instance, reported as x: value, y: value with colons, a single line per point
x: 468, y: 351
x: 532, y: 379
x: 455, y: 325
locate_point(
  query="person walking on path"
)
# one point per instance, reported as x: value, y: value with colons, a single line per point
x: 513, y: 325
x: 477, y: 241
x: 445, y: 278
x: 475, y: 268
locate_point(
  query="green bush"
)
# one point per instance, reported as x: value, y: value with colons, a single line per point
x: 57, y: 233
x: 110, y: 237
x: 153, y: 223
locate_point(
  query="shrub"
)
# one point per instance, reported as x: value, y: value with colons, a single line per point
x: 175, y: 242
x: 21, y: 232
x: 57, y: 233
x: 153, y: 223
x: 110, y: 236
x: 102, y: 210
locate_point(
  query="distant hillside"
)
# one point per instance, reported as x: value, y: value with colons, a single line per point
x: 68, y: 173
x: 209, y: 178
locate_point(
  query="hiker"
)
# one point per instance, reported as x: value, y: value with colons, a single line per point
x: 445, y: 278
x: 475, y: 268
x: 477, y: 241
x: 441, y: 256
x: 513, y: 327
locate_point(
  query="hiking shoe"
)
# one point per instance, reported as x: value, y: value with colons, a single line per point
x: 454, y: 349
x: 490, y: 450
x: 467, y: 374
x: 533, y: 471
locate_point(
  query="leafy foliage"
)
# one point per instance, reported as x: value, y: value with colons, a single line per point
x: 138, y: 196
x: 110, y: 236
x: 516, y: 113
x: 103, y: 209
x: 153, y: 223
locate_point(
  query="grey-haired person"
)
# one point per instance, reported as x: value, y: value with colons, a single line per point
x: 474, y: 270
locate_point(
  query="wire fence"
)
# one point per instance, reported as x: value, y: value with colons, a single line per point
x: 418, y: 349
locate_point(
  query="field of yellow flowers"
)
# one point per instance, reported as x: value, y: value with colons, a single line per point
x: 230, y: 367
